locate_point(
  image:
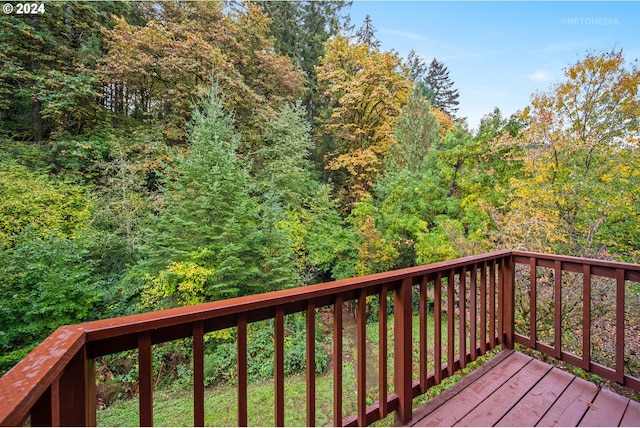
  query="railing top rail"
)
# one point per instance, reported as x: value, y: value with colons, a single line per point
x: 578, y: 260
x: 21, y: 386
x: 603, y: 268
x: 114, y: 327
x: 25, y: 383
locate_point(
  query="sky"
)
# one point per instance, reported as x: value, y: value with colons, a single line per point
x: 500, y: 53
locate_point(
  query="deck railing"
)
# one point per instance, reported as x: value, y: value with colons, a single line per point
x: 474, y: 299
x: 574, y: 289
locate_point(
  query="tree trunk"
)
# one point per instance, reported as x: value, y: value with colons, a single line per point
x: 36, y: 110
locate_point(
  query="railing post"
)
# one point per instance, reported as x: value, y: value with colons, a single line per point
x: 71, y: 399
x: 44, y: 412
x: 508, y: 301
x: 78, y: 391
x: 402, y: 350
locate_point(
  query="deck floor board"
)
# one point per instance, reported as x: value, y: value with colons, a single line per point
x: 528, y: 411
x: 521, y: 391
x: 571, y: 406
x: 632, y: 415
x: 496, y: 405
x: 607, y: 410
x: 471, y: 396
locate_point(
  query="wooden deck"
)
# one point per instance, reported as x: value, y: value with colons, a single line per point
x: 516, y: 390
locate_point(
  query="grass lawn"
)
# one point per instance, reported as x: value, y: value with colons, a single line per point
x: 173, y: 405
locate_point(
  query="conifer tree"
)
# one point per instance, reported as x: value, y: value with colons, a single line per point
x: 300, y: 30
x: 444, y: 96
x: 366, y: 34
x: 212, y: 223
x: 417, y: 67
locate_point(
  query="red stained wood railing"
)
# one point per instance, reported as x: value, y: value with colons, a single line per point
x: 590, y: 270
x: 55, y: 384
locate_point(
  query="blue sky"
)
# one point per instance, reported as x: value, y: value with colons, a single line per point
x: 500, y: 53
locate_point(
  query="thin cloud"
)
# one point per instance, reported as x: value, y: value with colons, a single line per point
x: 488, y: 92
x: 405, y: 34
x: 540, y: 76
x: 563, y: 47
x: 461, y: 56
x: 440, y: 50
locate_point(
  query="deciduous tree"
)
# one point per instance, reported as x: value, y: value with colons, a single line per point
x: 366, y: 90
x: 48, y: 81
x: 580, y: 150
x: 156, y: 70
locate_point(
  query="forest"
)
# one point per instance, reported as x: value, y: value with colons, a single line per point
x: 159, y: 154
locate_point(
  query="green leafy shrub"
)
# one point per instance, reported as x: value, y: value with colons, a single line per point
x: 45, y: 282
x: 221, y: 358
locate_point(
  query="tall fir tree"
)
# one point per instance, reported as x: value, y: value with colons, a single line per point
x: 416, y: 65
x: 48, y: 78
x: 366, y: 34
x: 212, y: 223
x: 300, y: 30
x: 445, y: 97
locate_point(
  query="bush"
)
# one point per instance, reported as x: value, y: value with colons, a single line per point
x: 221, y: 358
x: 44, y: 283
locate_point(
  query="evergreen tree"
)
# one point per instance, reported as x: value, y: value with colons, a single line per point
x: 285, y: 28
x: 282, y: 165
x: 417, y: 66
x: 416, y: 132
x: 444, y: 96
x: 211, y: 223
x: 300, y: 30
x: 48, y: 78
x: 299, y: 206
x: 366, y: 34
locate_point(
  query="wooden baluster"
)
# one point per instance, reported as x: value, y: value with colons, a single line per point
x: 242, y: 371
x: 483, y: 309
x: 311, y: 364
x: 437, y: 328
x: 362, y: 358
x: 492, y: 304
x: 557, y: 308
x: 382, y: 357
x: 620, y: 298
x: 55, y: 403
x: 279, y: 367
x: 472, y: 313
x: 337, y: 362
x: 586, y: 317
x: 462, y: 317
x: 509, y: 285
x: 451, y: 327
x: 533, y: 298
x: 145, y: 378
x: 198, y: 373
x: 46, y: 411
x: 501, y: 307
x: 423, y: 335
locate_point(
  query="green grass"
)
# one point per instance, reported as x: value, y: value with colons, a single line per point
x: 173, y: 405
